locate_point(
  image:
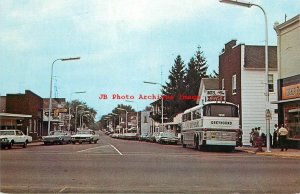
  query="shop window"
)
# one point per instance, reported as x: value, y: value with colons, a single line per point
x: 233, y: 84
x: 223, y: 84
x: 271, y: 82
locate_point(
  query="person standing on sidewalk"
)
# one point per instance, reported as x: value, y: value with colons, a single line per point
x: 282, y: 135
x: 275, y: 142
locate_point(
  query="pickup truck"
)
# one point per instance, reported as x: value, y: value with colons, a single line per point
x: 15, y: 137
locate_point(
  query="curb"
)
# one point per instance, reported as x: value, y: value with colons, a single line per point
x: 281, y: 155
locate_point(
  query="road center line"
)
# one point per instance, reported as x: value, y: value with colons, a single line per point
x: 92, y: 148
x: 116, y: 149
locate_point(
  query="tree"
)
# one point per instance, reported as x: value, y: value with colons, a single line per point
x: 175, y: 87
x: 196, y: 70
x: 121, y: 115
x: 214, y: 74
x: 89, y: 119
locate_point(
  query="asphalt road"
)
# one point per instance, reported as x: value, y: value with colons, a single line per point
x: 122, y: 166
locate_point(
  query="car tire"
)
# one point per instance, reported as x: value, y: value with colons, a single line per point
x: 10, y: 145
x: 25, y: 144
x: 96, y: 141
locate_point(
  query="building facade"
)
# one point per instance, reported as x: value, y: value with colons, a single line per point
x: 58, y: 115
x: 242, y: 76
x: 288, y: 39
x: 28, y: 103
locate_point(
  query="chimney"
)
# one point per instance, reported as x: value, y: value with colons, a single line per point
x: 229, y: 45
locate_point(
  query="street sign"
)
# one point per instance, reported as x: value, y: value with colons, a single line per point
x: 268, y: 114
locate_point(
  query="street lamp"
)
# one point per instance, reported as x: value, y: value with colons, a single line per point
x: 50, y: 98
x: 109, y: 116
x: 69, y: 126
x: 81, y: 117
x: 268, y: 115
x: 162, y: 103
x: 76, y: 116
x: 137, y: 115
x: 114, y: 114
x: 126, y: 115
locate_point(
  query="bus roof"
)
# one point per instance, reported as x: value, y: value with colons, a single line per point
x: 207, y: 103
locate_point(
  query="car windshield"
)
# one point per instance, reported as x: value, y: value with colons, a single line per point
x: 56, y: 132
x: 83, y: 132
x: 7, y: 132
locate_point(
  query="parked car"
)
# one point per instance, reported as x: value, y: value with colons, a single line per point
x: 15, y: 137
x: 58, y: 137
x: 166, y: 137
x: 129, y: 136
x: 4, y: 142
x: 144, y: 137
x: 115, y: 135
x: 85, y: 136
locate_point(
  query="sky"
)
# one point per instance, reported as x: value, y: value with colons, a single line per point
x: 121, y: 43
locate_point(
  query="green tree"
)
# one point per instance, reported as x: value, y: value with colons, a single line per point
x: 196, y: 70
x: 175, y: 87
x: 120, y: 114
x: 214, y: 74
x: 82, y: 107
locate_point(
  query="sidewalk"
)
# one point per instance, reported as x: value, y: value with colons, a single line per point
x: 290, y: 153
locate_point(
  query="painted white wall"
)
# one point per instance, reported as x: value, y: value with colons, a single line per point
x: 254, y: 102
x: 145, y: 122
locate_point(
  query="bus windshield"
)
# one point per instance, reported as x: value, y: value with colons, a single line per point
x: 220, y: 110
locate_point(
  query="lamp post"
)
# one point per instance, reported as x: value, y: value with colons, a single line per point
x: 81, y: 117
x: 267, y: 111
x: 76, y: 116
x: 50, y: 98
x: 137, y: 115
x: 162, y: 103
x: 126, y: 115
x: 112, y: 120
x: 69, y: 125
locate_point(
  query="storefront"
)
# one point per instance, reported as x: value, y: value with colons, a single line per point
x: 289, y: 108
x: 15, y: 121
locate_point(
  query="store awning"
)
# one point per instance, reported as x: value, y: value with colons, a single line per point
x: 294, y: 110
x: 284, y: 101
x: 14, y: 116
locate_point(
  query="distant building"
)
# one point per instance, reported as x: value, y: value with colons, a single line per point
x: 58, y: 115
x: 145, y: 121
x: 29, y: 107
x: 242, y: 76
x: 288, y: 34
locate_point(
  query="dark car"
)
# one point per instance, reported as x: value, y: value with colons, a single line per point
x: 4, y: 142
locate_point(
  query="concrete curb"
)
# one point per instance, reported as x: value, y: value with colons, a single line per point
x: 275, y: 154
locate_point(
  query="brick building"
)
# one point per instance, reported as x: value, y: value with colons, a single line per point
x: 242, y: 76
x: 29, y: 104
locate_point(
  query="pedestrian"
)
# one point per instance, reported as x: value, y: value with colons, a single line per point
x: 255, y: 136
x: 282, y: 135
x: 275, y: 142
x: 264, y: 139
x: 251, y: 137
x: 259, y: 144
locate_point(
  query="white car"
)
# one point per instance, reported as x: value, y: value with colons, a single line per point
x: 59, y: 137
x: 15, y: 137
x: 85, y: 136
x: 166, y: 137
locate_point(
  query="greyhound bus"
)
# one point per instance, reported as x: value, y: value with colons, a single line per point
x: 212, y: 123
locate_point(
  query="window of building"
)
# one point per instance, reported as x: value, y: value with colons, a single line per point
x: 271, y: 82
x: 233, y: 83
x: 223, y: 85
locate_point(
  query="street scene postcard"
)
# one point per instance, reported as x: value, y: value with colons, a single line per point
x: 150, y: 96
